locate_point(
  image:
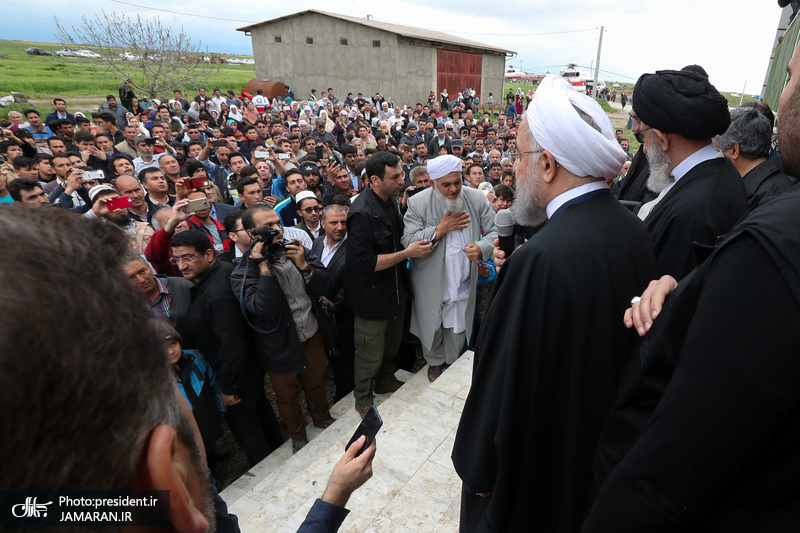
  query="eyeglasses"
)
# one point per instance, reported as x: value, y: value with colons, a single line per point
x: 183, y: 259
x: 313, y: 210
x: 514, y: 155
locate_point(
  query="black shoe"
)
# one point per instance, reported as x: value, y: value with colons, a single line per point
x: 391, y: 388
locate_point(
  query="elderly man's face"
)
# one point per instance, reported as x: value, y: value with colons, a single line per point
x: 169, y: 165
x: 449, y: 185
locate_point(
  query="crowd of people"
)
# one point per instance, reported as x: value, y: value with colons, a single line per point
x: 302, y: 240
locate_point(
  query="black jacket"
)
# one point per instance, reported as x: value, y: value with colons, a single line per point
x: 277, y: 344
x: 215, y: 326
x: 336, y: 266
x: 373, y: 295
x: 765, y: 181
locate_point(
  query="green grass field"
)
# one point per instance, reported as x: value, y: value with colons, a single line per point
x: 45, y: 77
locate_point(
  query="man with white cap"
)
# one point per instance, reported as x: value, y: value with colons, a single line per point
x: 551, y: 347
x: 461, y: 221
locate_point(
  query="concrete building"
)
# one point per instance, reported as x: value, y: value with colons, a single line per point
x: 316, y: 50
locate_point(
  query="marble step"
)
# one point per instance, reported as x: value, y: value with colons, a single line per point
x: 414, y: 487
x: 279, y: 460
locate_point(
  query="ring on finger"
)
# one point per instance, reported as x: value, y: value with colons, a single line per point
x: 635, y: 299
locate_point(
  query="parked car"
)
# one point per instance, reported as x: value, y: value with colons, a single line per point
x: 248, y: 61
x: 87, y: 54
x: 234, y: 61
x: 127, y: 56
x: 65, y: 52
x: 37, y: 52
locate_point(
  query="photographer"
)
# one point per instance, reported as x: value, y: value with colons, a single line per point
x: 278, y: 284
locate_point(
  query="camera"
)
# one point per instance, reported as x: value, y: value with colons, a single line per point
x: 273, y: 249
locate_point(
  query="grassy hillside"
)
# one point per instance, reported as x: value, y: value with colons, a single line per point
x: 44, y: 77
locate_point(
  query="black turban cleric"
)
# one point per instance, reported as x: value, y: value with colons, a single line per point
x: 681, y: 102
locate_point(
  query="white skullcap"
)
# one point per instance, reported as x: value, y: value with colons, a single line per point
x: 558, y: 128
x: 443, y: 165
x: 304, y: 195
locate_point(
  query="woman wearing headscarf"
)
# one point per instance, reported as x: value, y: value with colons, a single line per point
x: 294, y: 111
x: 136, y: 107
x: 194, y: 111
x: 250, y: 114
x: 328, y: 122
x: 518, y: 99
x: 235, y: 114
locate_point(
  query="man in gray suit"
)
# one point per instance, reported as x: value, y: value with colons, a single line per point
x: 460, y: 223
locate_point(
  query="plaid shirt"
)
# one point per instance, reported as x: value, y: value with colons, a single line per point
x: 160, y: 307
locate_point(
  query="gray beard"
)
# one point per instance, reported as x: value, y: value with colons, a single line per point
x: 452, y: 206
x: 525, y: 207
x: 659, y: 162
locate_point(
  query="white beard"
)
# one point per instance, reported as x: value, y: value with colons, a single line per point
x: 452, y: 206
x: 527, y: 208
x: 659, y: 162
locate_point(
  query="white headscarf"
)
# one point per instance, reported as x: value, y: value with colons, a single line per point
x: 235, y: 114
x: 558, y: 128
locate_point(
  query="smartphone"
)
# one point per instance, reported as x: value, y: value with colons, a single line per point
x: 93, y: 175
x: 219, y: 144
x: 319, y: 152
x: 198, y: 204
x: 118, y: 203
x: 369, y: 426
x: 261, y: 154
x: 197, y: 183
x: 284, y: 156
x: 332, y: 160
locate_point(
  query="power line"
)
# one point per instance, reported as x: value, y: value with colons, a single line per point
x: 180, y: 13
x: 524, y: 34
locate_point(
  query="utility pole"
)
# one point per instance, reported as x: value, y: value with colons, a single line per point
x: 741, y: 99
x: 597, y: 64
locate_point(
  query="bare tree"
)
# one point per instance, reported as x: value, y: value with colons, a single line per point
x: 155, y: 58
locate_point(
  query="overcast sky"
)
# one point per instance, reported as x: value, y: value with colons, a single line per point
x: 732, y: 40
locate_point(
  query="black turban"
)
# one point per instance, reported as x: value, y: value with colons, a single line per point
x: 681, y: 102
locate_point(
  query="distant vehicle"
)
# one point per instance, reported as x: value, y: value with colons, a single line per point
x: 234, y: 61
x: 127, y: 56
x: 580, y: 80
x: 517, y: 74
x: 37, y: 52
x: 248, y: 61
x: 735, y: 95
x: 616, y: 85
x: 87, y: 54
x: 65, y: 52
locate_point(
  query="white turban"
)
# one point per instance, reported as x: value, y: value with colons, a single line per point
x: 576, y: 145
x: 443, y: 165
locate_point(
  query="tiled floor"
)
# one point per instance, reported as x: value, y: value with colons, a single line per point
x: 414, y: 487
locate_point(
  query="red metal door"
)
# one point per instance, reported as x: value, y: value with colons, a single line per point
x: 457, y: 71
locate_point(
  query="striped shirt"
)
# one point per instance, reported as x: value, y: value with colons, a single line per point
x: 160, y: 307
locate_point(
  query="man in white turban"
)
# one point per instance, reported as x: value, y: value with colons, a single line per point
x: 552, y: 345
x: 460, y: 223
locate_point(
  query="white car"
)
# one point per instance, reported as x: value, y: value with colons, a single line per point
x: 65, y: 52
x: 127, y: 56
x: 234, y: 61
x: 248, y: 61
x: 87, y: 54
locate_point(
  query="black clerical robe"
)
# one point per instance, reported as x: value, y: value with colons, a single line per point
x: 705, y: 430
x: 633, y: 187
x: 700, y: 208
x: 548, y: 360
x: 765, y: 181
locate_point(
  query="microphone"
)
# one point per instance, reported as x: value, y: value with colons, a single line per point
x: 504, y: 221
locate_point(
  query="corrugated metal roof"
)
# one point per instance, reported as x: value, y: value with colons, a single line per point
x: 405, y: 31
